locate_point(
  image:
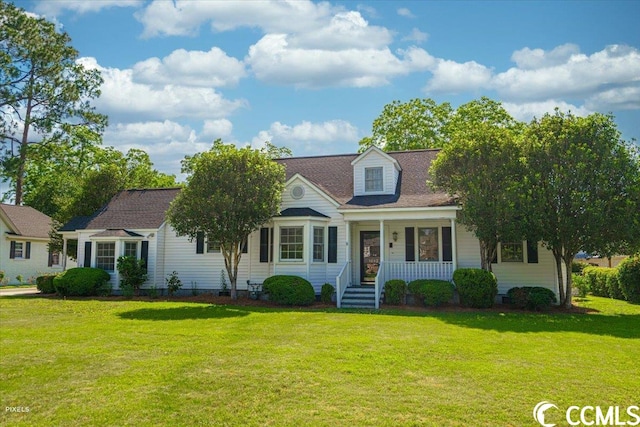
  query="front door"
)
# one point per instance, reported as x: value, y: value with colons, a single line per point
x: 369, y: 256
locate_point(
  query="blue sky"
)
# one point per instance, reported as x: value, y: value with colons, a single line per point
x: 313, y: 76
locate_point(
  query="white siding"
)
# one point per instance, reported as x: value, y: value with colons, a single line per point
x: 374, y: 159
x: 30, y: 268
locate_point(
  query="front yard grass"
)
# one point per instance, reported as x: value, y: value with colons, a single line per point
x: 91, y: 362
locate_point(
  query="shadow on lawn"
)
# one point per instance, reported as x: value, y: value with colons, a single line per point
x: 185, y: 312
x: 621, y: 326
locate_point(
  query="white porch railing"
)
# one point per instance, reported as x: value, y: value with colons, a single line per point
x: 342, y: 282
x: 379, y: 283
x: 409, y: 271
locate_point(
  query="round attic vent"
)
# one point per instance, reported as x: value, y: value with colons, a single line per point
x: 297, y: 192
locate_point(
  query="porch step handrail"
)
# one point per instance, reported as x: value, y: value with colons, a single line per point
x: 342, y: 282
x: 379, y: 284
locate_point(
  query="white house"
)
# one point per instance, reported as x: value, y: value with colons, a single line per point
x: 24, y: 242
x: 352, y: 220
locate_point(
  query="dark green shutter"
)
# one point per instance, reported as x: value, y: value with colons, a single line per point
x: 264, y: 244
x: 87, y: 254
x: 332, y: 258
x: 409, y: 244
x: 271, y: 245
x: 27, y: 253
x: 200, y: 242
x: 447, y: 244
x: 50, y: 259
x: 532, y: 252
x: 12, y: 250
x: 245, y: 245
x: 144, y: 254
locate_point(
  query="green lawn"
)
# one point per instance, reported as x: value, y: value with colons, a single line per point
x: 89, y: 362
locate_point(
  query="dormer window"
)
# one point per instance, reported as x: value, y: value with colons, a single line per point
x: 373, y: 179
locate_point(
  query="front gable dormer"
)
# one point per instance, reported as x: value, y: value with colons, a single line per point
x: 375, y: 173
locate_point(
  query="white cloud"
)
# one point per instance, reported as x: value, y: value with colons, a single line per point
x: 454, y: 77
x: 624, y: 98
x: 525, y: 112
x: 403, y: 11
x: 273, y: 60
x: 307, y: 138
x: 184, y: 17
x: 190, y: 68
x: 213, y: 129
x: 130, y: 101
x: 577, y: 75
x: 416, y: 36
x: 532, y: 59
x: 54, y: 8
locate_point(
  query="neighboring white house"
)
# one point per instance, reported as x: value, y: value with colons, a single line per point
x: 349, y: 220
x: 24, y: 244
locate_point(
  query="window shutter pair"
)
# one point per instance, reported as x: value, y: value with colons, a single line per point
x: 266, y: 245
x: 410, y: 244
x: 532, y: 253
x: 200, y: 243
x: 27, y: 250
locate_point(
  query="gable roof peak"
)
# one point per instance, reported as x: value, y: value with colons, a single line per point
x: 379, y: 151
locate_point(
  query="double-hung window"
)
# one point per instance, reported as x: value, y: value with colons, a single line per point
x: 512, y: 252
x: 291, y: 243
x: 318, y: 244
x: 131, y: 249
x: 373, y: 181
x: 19, y: 250
x: 106, y: 255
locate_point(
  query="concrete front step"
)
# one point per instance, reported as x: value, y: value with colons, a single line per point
x: 359, y: 297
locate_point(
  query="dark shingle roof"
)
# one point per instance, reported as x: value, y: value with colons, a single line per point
x: 334, y: 175
x: 302, y: 212
x: 26, y: 221
x: 128, y: 209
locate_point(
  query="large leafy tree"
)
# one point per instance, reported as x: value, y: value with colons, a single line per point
x: 45, y: 93
x: 230, y: 192
x: 583, y: 184
x: 415, y: 124
x: 481, y: 166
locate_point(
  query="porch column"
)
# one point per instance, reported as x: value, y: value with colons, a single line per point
x: 382, y: 247
x: 381, y: 274
x: 347, y: 253
x: 454, y: 245
x: 64, y: 254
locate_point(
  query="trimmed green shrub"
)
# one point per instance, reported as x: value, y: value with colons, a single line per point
x: 395, y: 291
x: 326, y: 292
x: 289, y: 290
x: 476, y: 287
x: 173, y: 283
x: 532, y: 298
x: 596, y: 281
x: 431, y: 292
x: 629, y: 278
x: 612, y: 283
x: 132, y: 273
x: 44, y: 284
x: 581, y: 284
x: 577, y: 266
x: 80, y: 281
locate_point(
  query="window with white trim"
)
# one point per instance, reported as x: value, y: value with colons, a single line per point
x: 373, y: 180
x: 428, y: 244
x: 131, y: 249
x: 318, y: 244
x: 19, y: 250
x: 291, y: 243
x: 106, y: 255
x: 213, y: 246
x: 511, y: 252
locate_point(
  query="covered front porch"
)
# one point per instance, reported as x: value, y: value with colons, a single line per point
x: 407, y: 244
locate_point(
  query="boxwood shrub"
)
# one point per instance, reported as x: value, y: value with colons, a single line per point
x: 629, y: 278
x: 326, y: 292
x: 81, y: 281
x: 476, y: 287
x: 289, y: 290
x: 44, y: 284
x: 431, y: 292
x: 532, y: 298
x: 395, y: 291
x: 596, y: 281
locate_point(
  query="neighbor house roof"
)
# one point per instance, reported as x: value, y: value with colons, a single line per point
x: 129, y: 209
x: 334, y: 176
x: 26, y: 221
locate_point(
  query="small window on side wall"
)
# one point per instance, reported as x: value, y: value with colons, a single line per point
x: 131, y: 249
x: 511, y: 252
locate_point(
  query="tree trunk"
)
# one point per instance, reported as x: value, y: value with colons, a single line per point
x: 568, y: 296
x: 561, y: 288
x: 486, y: 255
x: 24, y: 143
x: 231, y: 261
